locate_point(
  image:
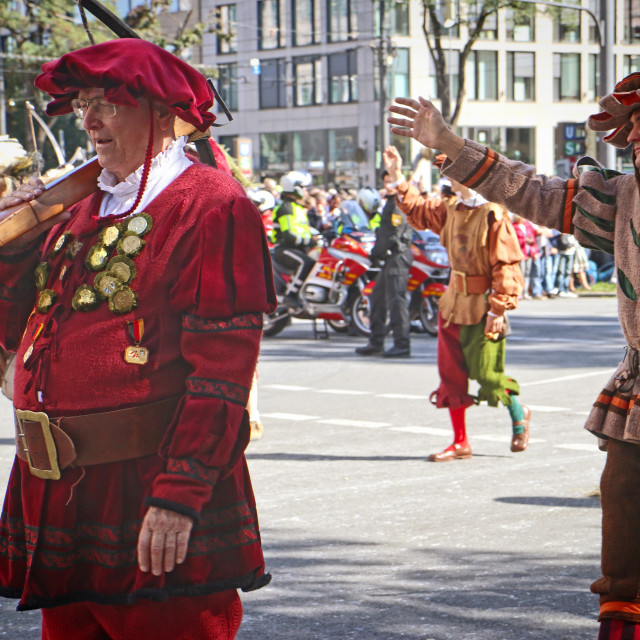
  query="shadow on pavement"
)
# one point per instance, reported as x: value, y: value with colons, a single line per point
x: 552, y: 501
x: 317, y: 594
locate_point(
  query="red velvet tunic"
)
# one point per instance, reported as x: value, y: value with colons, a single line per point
x: 203, y: 281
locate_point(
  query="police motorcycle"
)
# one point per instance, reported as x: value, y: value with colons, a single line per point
x: 428, y: 280
x: 336, y: 279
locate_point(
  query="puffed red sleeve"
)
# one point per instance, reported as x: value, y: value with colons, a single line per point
x: 224, y: 289
x: 17, y: 292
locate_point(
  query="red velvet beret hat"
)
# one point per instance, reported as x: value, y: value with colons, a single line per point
x: 129, y: 69
x: 617, y: 107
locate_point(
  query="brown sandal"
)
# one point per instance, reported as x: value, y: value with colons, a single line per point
x: 519, y: 441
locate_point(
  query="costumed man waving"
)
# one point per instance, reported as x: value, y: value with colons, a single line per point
x: 600, y: 208
x: 486, y: 281
x: 137, y: 322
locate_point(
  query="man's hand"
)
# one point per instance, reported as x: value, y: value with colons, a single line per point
x: 163, y: 540
x: 26, y: 192
x: 393, y: 163
x: 494, y: 327
x: 423, y: 122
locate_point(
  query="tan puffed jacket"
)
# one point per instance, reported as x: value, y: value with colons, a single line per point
x: 482, y: 246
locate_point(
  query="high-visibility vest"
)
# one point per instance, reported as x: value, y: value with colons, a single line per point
x: 294, y: 224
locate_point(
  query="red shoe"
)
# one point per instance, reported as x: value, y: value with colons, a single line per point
x: 453, y: 452
x: 519, y: 441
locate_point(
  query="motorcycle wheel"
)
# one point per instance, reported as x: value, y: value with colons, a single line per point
x: 339, y: 326
x: 359, y: 315
x: 275, y: 324
x: 429, y: 314
x: 360, y: 323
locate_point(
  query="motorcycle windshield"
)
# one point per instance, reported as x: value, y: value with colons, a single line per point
x: 353, y: 217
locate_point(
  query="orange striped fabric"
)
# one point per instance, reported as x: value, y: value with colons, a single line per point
x: 568, y: 205
x: 620, y: 606
x: 614, y: 402
x: 476, y: 177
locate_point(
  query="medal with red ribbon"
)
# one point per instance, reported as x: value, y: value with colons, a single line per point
x: 135, y: 354
x: 34, y: 336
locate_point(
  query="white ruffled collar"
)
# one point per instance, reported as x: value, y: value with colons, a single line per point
x: 108, y: 182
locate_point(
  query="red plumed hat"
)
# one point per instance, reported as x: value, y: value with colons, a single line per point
x: 617, y: 108
x: 129, y: 69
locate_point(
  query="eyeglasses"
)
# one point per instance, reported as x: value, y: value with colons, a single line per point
x: 100, y: 106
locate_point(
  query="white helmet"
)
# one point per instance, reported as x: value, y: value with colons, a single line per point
x: 369, y: 199
x: 293, y: 182
x: 263, y: 199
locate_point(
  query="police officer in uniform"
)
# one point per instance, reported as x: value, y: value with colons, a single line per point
x: 392, y: 251
x: 292, y: 234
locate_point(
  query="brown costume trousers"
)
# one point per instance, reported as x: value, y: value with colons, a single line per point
x: 620, y: 495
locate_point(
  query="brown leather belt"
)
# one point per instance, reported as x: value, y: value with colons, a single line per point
x: 49, y: 445
x: 466, y: 284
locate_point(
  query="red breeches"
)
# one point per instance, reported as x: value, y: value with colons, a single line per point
x: 212, y: 617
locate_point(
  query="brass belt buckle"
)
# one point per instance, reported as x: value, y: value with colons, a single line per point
x: 43, y: 420
x: 463, y: 275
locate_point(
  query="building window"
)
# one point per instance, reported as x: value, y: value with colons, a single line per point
x: 521, y: 76
x: 521, y: 144
x: 490, y: 25
x: 341, y: 20
x: 482, y: 75
x: 226, y: 33
x: 631, y: 21
x: 303, y: 22
x: 228, y: 84
x: 399, y: 18
x: 275, y: 152
x: 566, y: 23
x: 593, y: 89
x: 273, y: 86
x: 631, y: 64
x: 307, y: 72
x: 566, y: 76
x: 309, y: 150
x: 452, y: 58
x: 269, y: 24
x: 342, y: 165
x: 488, y: 136
x: 520, y: 23
x: 398, y: 77
x: 592, y: 35
x: 343, y: 77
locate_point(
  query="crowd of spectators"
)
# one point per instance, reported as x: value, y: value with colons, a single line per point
x: 555, y: 265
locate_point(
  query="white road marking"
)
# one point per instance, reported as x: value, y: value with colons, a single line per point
x: 289, y: 416
x: 285, y: 387
x: 575, y: 376
x: 430, y: 431
x: 344, y: 392
x: 402, y: 396
x: 578, y: 446
x: 546, y: 409
x: 343, y: 422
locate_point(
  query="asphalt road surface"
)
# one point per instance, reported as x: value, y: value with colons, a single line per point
x: 366, y: 540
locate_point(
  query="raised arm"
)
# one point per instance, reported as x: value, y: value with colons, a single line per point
x: 423, y: 122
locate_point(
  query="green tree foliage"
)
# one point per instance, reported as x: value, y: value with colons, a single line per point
x: 443, y: 19
x: 34, y: 31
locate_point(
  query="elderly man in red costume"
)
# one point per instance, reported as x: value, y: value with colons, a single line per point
x: 600, y: 207
x: 137, y: 322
